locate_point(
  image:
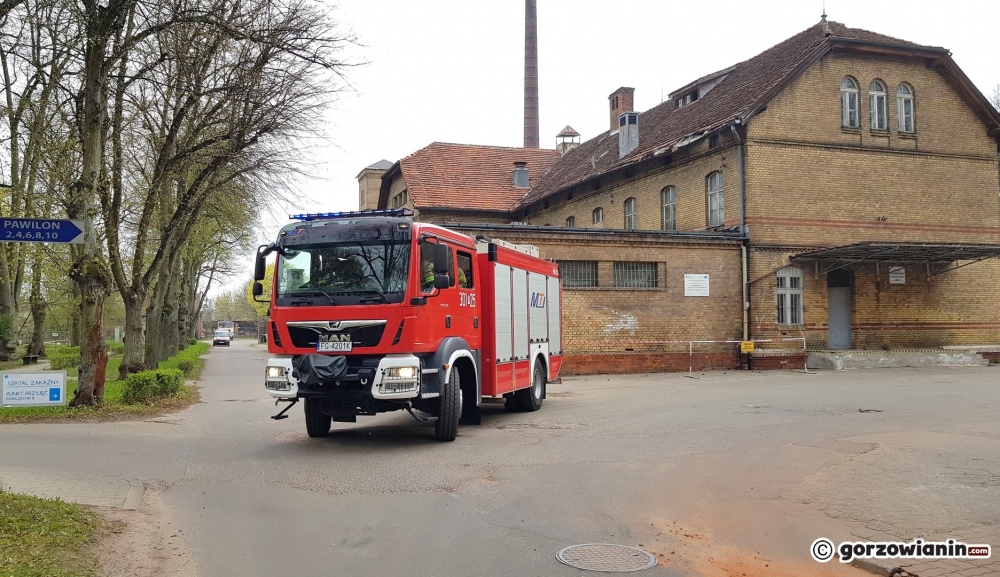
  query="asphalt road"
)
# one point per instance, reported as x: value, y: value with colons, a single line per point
x: 727, y: 474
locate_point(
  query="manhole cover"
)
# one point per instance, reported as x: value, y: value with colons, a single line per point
x: 606, y: 557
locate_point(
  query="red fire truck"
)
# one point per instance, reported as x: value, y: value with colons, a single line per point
x: 373, y: 312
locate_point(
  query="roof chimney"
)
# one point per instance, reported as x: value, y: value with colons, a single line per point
x: 530, y: 75
x: 628, y: 133
x: 567, y: 140
x: 621, y: 101
x: 520, y: 175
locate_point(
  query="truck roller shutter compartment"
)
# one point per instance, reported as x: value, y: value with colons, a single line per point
x: 502, y: 312
x: 539, y: 290
x: 555, y: 327
x: 519, y: 288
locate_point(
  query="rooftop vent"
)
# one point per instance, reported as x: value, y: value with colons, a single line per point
x: 567, y: 140
x: 628, y: 133
x: 520, y: 175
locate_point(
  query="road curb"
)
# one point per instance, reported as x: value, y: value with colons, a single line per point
x: 134, y: 496
x: 875, y: 568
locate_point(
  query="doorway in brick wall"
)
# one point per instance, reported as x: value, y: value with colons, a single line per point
x: 838, y: 286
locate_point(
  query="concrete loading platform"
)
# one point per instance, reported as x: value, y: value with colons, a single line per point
x: 971, y: 356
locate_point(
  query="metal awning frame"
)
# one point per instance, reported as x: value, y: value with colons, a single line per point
x: 905, y: 254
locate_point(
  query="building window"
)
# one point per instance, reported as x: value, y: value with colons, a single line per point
x: 713, y: 142
x: 790, y: 296
x: 399, y: 200
x: 904, y: 106
x: 876, y: 95
x: 578, y: 273
x: 598, y: 215
x: 848, y: 103
x: 571, y: 222
x: 715, y: 199
x: 630, y: 214
x: 635, y: 275
x: 668, y: 202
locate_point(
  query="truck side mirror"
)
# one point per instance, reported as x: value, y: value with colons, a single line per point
x: 258, y: 289
x: 440, y: 259
x: 259, y: 267
x: 441, y: 281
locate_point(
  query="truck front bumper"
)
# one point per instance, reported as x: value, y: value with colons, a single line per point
x: 396, y: 378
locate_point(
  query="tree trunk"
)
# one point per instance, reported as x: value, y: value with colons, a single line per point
x: 154, y: 330
x: 38, y: 306
x: 134, y: 339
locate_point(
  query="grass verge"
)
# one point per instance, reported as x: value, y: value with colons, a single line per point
x: 113, y: 408
x: 46, y: 538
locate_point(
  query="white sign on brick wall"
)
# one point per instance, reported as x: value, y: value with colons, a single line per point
x: 696, y: 285
x: 897, y: 275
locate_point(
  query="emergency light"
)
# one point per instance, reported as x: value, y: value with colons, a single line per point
x: 351, y: 214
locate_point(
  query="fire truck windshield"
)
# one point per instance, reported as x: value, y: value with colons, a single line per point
x: 343, y: 273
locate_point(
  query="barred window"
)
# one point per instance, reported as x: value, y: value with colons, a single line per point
x: 904, y: 106
x: 636, y: 275
x: 668, y: 200
x: 716, y: 202
x: 578, y: 273
x: 790, y: 296
x: 598, y: 215
x: 571, y: 222
x: 876, y: 94
x: 848, y: 103
x: 630, y: 214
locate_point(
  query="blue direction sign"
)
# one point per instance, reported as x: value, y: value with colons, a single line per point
x: 41, y: 230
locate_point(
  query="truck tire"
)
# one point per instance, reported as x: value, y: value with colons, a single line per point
x: 530, y: 399
x: 317, y: 424
x: 450, y: 411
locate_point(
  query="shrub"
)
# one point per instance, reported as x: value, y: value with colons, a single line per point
x: 188, y: 360
x: 116, y: 348
x: 147, y: 386
x: 63, y: 357
x: 192, y: 341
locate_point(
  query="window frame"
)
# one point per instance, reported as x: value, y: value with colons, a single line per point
x: 789, y: 296
x: 631, y: 213
x: 901, y: 101
x: 877, y: 106
x: 570, y: 222
x: 570, y: 277
x: 470, y: 280
x: 668, y: 204
x: 849, y: 116
x: 627, y: 274
x: 597, y: 215
x: 715, y: 216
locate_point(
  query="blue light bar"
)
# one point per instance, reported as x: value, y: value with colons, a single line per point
x: 351, y: 214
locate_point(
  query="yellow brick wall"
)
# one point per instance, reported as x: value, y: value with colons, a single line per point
x: 687, y: 177
x: 608, y: 319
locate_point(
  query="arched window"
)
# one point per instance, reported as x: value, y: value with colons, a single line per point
x: 571, y: 222
x: 790, y: 296
x: 631, y: 220
x: 668, y: 208
x: 715, y: 199
x: 848, y: 103
x: 598, y: 215
x: 876, y: 95
x: 904, y: 107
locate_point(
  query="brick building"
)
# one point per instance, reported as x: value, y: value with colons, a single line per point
x: 841, y: 186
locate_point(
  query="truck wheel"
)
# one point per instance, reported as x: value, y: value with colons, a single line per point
x: 450, y: 411
x: 530, y: 399
x: 317, y: 424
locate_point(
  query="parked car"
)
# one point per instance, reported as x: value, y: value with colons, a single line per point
x: 223, y: 337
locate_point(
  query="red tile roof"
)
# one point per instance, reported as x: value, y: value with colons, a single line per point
x: 746, y: 86
x: 465, y: 176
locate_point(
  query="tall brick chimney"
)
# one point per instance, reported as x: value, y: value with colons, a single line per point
x: 620, y: 101
x: 530, y: 75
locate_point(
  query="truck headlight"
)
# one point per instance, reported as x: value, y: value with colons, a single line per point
x: 275, y: 373
x: 402, y: 373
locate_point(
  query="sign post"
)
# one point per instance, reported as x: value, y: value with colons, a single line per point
x: 46, y: 389
x: 41, y: 230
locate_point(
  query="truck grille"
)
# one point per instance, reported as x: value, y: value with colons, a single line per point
x: 305, y: 335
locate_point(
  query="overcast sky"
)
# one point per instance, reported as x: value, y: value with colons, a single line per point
x: 452, y: 70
